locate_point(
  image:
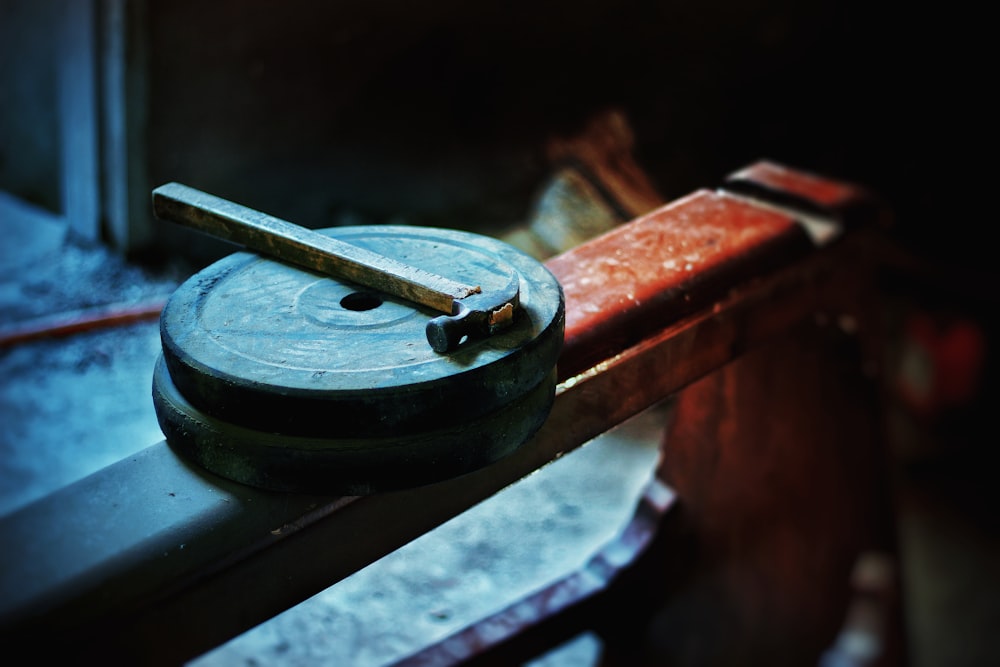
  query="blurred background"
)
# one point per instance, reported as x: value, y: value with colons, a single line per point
x: 507, y: 119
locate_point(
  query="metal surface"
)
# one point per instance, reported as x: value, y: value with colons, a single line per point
x: 295, y: 381
x: 666, y: 264
x: 153, y: 561
x: 470, y: 310
x: 348, y: 465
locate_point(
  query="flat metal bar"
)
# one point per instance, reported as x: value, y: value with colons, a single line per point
x: 300, y: 246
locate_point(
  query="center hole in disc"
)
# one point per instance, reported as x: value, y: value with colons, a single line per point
x: 361, y: 301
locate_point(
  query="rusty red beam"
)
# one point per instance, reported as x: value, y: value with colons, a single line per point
x: 724, y: 236
x: 640, y: 277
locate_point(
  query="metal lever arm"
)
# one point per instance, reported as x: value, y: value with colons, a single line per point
x: 303, y: 247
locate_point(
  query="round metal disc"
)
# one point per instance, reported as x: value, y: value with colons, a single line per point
x: 345, y: 466
x: 283, y: 353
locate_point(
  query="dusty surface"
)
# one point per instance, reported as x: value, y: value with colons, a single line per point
x: 69, y: 406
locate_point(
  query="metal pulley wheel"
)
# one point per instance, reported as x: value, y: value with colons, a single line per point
x: 292, y: 379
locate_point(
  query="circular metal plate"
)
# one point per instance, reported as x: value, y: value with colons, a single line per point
x: 279, y: 352
x: 345, y: 466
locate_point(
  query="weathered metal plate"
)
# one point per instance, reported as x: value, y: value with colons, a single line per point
x: 260, y: 357
x: 346, y: 466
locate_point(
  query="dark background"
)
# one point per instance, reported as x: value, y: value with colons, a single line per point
x: 437, y: 111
